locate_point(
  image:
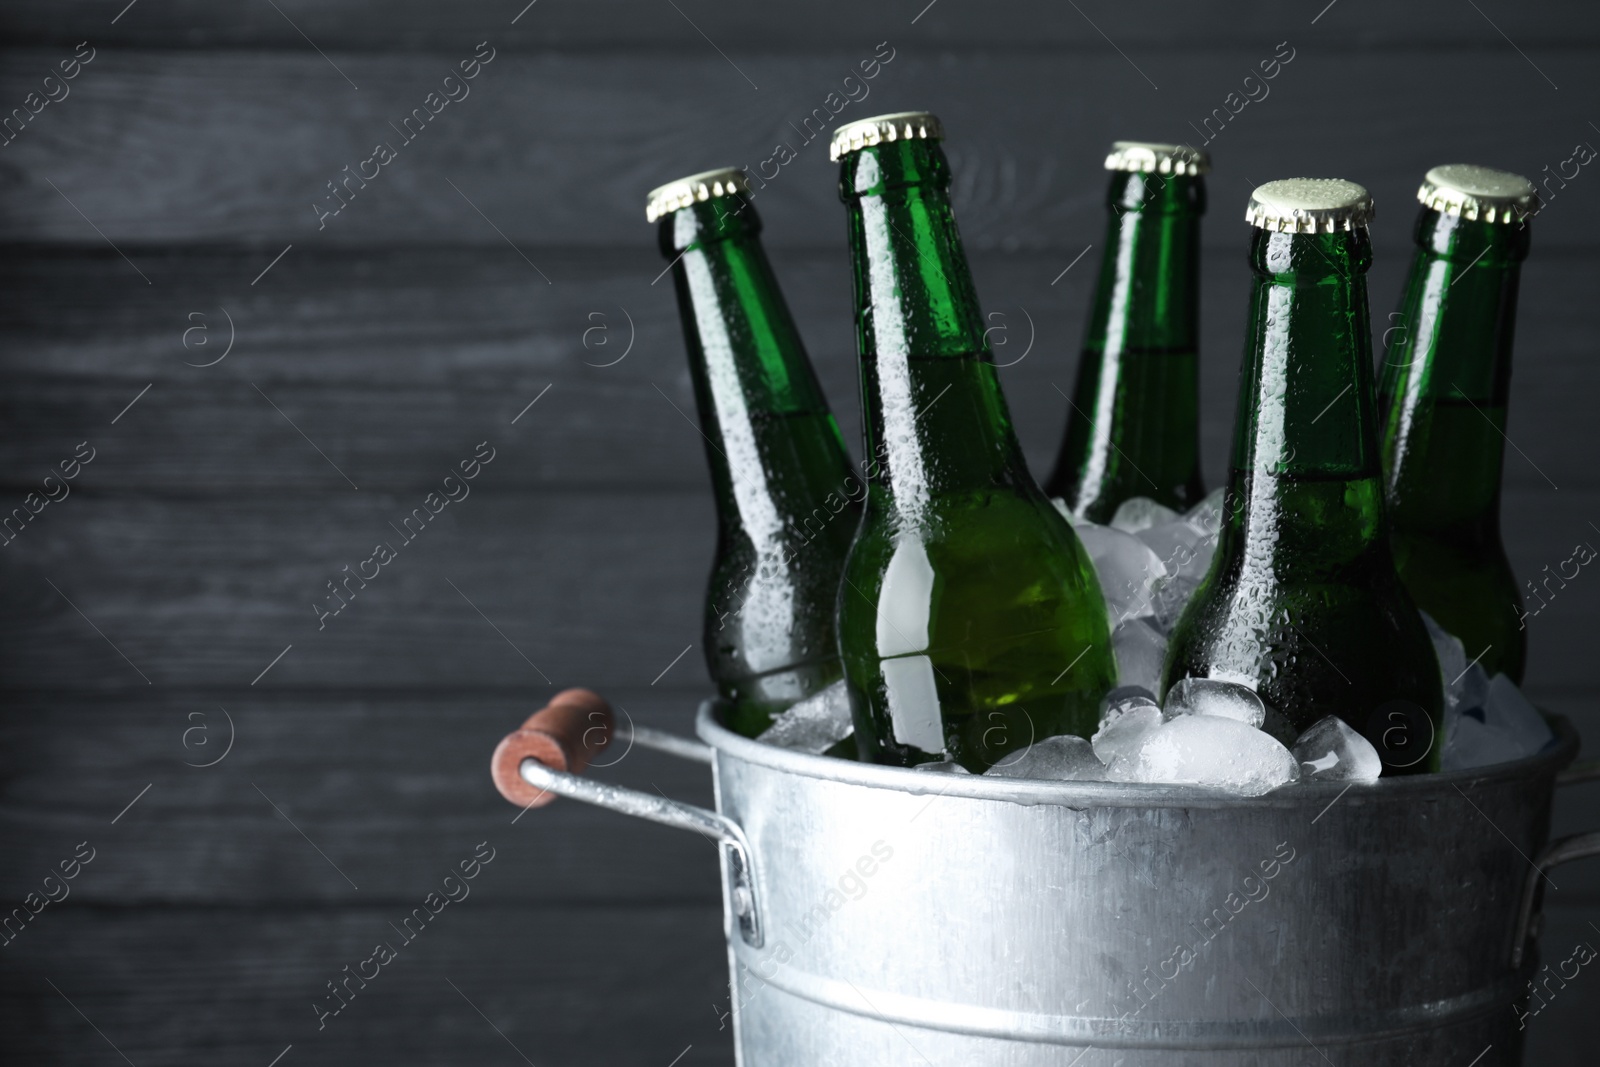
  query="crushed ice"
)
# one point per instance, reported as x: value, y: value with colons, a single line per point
x: 814, y: 724
x: 1150, y: 560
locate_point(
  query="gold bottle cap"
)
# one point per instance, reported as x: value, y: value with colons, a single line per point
x: 665, y: 199
x: 1309, y: 205
x: 1149, y: 157
x: 900, y: 126
x: 1479, y: 193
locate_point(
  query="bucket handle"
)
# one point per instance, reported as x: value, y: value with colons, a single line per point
x: 546, y: 756
x: 1562, y: 850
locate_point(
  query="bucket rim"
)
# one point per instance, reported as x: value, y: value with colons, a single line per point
x: 1024, y: 791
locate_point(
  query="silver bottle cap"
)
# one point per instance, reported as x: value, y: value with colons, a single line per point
x: 665, y: 199
x: 900, y: 126
x: 1309, y: 205
x: 1479, y: 193
x: 1150, y: 157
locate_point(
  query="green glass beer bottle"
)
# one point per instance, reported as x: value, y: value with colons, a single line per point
x: 1444, y: 387
x: 1303, y: 603
x: 1133, y: 428
x: 970, y: 619
x: 787, y: 505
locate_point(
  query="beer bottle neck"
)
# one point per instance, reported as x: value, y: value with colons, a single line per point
x: 1449, y: 353
x: 1460, y: 307
x: 1306, y: 392
x: 1147, y: 298
x: 935, y: 419
x: 1134, y: 426
x: 749, y: 368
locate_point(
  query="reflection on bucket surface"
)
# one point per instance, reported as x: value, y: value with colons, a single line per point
x: 1383, y: 923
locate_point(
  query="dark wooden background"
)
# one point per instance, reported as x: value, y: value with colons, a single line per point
x: 504, y: 257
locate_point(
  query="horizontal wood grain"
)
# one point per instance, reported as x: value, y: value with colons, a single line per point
x: 564, y: 986
x: 559, y: 149
x: 620, y: 24
x: 390, y: 791
x: 395, y: 363
x: 570, y: 589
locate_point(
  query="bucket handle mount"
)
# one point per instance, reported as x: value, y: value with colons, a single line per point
x: 1562, y: 850
x: 546, y: 756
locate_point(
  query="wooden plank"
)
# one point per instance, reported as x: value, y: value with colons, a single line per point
x: 416, y: 25
x: 510, y: 591
x: 564, y: 986
x: 385, y: 790
x: 396, y: 363
x: 209, y: 592
x: 559, y: 149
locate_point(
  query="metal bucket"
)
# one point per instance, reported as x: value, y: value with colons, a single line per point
x: 880, y: 916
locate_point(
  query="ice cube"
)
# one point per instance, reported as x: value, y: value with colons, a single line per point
x: 1207, y: 696
x: 1141, y: 651
x: 1181, y: 547
x: 1448, y: 723
x: 1168, y: 598
x: 1470, y: 742
x: 1452, y: 657
x: 1124, y: 723
x: 1506, y: 709
x: 1140, y: 513
x: 945, y: 766
x: 1330, y: 751
x: 1499, y: 727
x: 1465, y: 699
x: 1125, y: 567
x: 1470, y: 691
x: 1206, y: 516
x: 1123, y: 697
x: 1065, y: 758
x: 1209, y: 750
x: 1466, y: 684
x: 815, y: 724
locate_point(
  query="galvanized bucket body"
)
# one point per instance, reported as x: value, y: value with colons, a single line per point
x: 880, y: 916
x: 896, y: 917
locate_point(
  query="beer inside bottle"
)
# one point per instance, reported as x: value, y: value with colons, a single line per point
x: 1303, y: 603
x: 1445, y: 377
x: 787, y: 504
x: 970, y: 620
x: 1133, y: 426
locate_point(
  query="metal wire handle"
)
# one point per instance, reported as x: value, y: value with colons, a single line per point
x: 1562, y: 850
x: 546, y: 756
x: 709, y: 824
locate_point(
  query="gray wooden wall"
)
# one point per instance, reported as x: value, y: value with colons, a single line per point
x: 163, y: 206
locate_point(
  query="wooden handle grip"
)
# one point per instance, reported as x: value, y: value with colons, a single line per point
x: 564, y: 735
